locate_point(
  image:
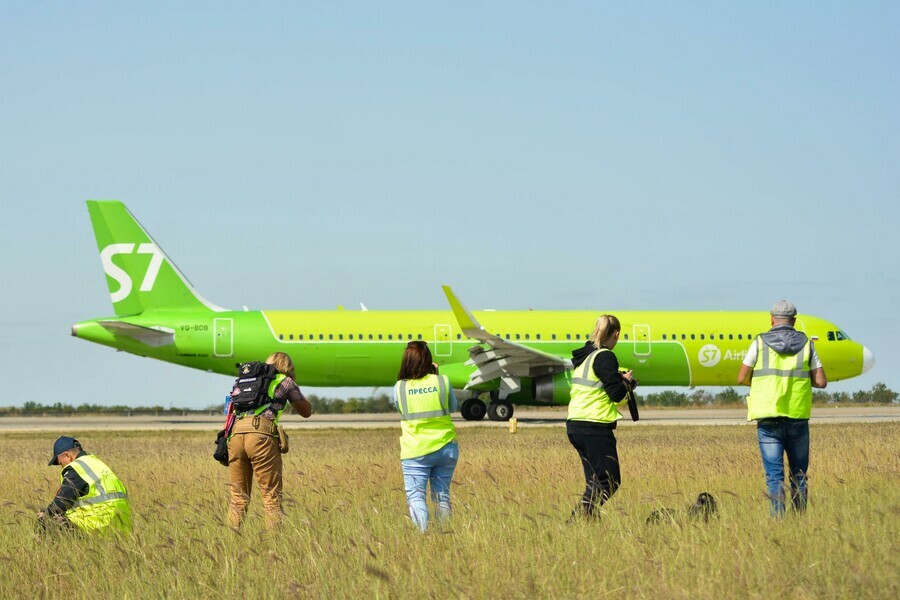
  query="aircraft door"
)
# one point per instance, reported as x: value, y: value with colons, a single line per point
x: 223, y: 340
x: 642, y: 340
x: 443, y: 344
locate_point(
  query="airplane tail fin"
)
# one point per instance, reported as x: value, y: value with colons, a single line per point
x: 139, y: 274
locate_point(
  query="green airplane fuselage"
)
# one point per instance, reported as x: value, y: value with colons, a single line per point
x: 159, y: 314
x: 344, y: 348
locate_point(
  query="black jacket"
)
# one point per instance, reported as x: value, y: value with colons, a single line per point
x: 73, y: 487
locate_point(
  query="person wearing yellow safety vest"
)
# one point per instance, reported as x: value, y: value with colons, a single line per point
x: 781, y: 367
x: 90, y: 498
x: 428, y: 448
x: 598, y: 388
x: 255, y: 446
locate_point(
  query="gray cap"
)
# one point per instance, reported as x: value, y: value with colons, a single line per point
x: 784, y: 310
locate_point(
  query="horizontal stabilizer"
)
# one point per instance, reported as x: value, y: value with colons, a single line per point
x: 151, y: 336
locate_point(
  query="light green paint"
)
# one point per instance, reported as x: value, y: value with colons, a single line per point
x: 348, y: 348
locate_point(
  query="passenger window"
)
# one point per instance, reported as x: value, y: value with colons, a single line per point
x: 701, y: 336
x: 517, y: 336
x: 527, y: 336
x: 330, y: 336
x: 537, y: 337
x: 577, y: 336
x: 300, y: 336
x: 568, y: 336
x: 693, y: 337
x: 626, y: 336
x: 684, y: 337
x: 380, y: 336
x: 459, y: 336
x: 420, y: 336
x: 340, y: 336
x: 721, y: 336
x: 664, y: 336
x: 370, y: 336
x: 281, y: 336
x: 730, y: 336
x: 390, y: 336
x: 553, y: 336
x: 321, y: 337
x: 740, y: 336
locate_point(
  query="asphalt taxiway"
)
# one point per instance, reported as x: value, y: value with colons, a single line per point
x: 542, y: 417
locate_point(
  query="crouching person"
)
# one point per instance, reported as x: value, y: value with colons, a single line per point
x: 90, y: 498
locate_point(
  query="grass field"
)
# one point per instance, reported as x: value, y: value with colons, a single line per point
x: 346, y: 533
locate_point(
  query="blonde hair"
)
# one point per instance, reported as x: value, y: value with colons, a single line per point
x: 607, y: 326
x: 283, y: 363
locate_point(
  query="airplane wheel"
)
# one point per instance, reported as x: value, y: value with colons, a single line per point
x: 473, y: 409
x: 500, y: 411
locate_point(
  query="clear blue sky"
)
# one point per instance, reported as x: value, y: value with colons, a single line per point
x: 551, y: 156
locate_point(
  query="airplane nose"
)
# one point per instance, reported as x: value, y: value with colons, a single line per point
x: 868, y: 360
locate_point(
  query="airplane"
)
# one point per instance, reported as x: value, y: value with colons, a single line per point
x: 506, y: 357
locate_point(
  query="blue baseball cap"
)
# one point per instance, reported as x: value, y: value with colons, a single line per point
x: 61, y: 445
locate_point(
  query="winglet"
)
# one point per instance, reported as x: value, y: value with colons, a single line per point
x: 467, y: 321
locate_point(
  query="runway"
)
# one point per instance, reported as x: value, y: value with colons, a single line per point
x: 526, y: 418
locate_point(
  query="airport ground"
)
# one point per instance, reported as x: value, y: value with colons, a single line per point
x: 346, y: 533
x: 526, y: 417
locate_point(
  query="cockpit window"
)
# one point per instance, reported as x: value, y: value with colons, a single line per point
x: 837, y: 336
x: 842, y: 336
x: 830, y: 336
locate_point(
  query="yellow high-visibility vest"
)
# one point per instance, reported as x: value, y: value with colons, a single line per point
x: 271, y: 392
x: 105, y: 506
x: 780, y: 386
x: 589, y: 401
x: 424, y: 406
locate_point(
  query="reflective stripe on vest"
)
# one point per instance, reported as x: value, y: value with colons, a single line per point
x: 96, y: 483
x: 589, y: 401
x: 780, y: 386
x: 106, y: 501
x: 443, y: 399
x: 424, y: 406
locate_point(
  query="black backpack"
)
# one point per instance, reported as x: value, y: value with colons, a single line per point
x: 251, y: 388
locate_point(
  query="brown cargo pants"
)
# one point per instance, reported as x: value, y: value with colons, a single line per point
x: 253, y: 448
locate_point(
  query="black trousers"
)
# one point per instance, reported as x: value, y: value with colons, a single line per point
x: 601, y: 467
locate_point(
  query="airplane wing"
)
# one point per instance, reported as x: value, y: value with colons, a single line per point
x: 503, y: 359
x: 152, y: 336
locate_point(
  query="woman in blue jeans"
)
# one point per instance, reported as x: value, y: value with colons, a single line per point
x: 428, y: 448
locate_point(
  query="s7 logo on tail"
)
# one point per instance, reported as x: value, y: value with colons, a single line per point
x: 121, y: 276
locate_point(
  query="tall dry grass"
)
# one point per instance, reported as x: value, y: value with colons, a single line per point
x: 346, y: 533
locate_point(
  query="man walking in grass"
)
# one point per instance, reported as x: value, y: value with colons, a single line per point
x: 781, y: 367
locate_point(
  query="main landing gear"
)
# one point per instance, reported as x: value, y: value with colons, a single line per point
x: 474, y: 409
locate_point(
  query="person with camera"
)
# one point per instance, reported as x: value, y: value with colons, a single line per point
x: 598, y: 388
x: 90, y: 498
x: 256, y: 443
x: 781, y: 367
x: 428, y: 448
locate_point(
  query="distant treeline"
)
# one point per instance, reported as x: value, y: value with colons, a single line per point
x: 879, y: 394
